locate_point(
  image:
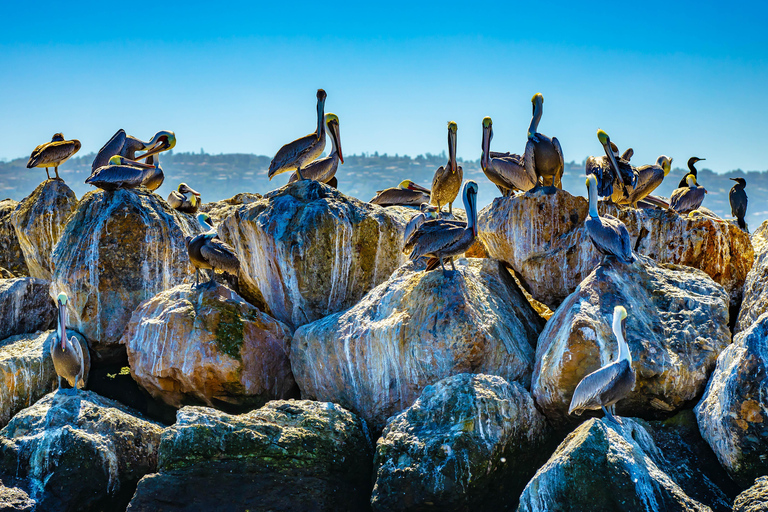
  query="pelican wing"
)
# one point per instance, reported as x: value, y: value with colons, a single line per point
x: 627, y: 154
x: 220, y: 255
x: 590, y: 392
x: 559, y: 177
x: 114, y: 146
x: 77, y: 350
x: 53, y: 153
x: 176, y: 199
x: 116, y: 176
x: 322, y: 169
x: 600, y: 167
x: 684, y: 200
x: 529, y: 160
x: 610, y: 237
x: 497, y: 154
x: 509, y: 173
x: 289, y: 155
x: 400, y: 196
x: 649, y: 177
x: 432, y: 237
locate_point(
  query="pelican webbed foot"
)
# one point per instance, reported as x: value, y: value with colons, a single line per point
x: 610, y: 416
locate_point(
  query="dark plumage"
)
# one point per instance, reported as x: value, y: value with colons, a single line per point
x: 122, y: 144
x: 543, y: 155
x: 608, y: 234
x: 688, y: 198
x: 208, y: 251
x: 53, y: 154
x: 691, y: 170
x: 296, y: 154
x: 738, y: 199
x: 407, y: 193
x: 124, y: 173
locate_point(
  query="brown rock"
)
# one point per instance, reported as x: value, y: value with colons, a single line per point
x: 755, y: 301
x: 11, y: 256
x: 754, y: 499
x: 25, y: 306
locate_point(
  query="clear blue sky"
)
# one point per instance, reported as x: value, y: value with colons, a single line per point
x: 679, y: 78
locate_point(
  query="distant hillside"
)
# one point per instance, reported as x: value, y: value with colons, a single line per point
x: 222, y: 176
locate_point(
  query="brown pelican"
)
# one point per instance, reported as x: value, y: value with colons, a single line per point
x: 608, y: 233
x: 438, y: 239
x: 447, y: 180
x: 428, y: 212
x: 505, y: 170
x: 407, y: 193
x: 206, y: 250
x: 324, y: 169
x: 649, y: 177
x: 67, y: 354
x: 294, y: 155
x: 691, y: 170
x: 738, y: 198
x: 602, y: 388
x: 53, y: 154
x: 127, y: 146
x: 178, y: 200
x: 543, y: 156
x: 616, y: 178
x: 124, y: 173
x: 689, y: 198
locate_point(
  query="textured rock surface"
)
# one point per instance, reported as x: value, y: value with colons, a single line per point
x: 754, y: 499
x: 470, y: 442
x: 602, y: 467
x: 25, y: 306
x: 26, y: 370
x: 542, y: 236
x: 14, y: 499
x: 219, y: 210
x: 208, y: 345
x: 755, y: 301
x: 39, y: 220
x: 733, y: 412
x: 81, y: 452
x: 11, y: 256
x: 119, y: 249
x: 413, y: 330
x: 676, y: 328
x: 288, y: 455
x: 311, y: 251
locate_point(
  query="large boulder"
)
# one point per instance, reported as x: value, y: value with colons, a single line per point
x: 288, y: 455
x: 11, y: 255
x: 755, y: 301
x: 14, y: 499
x: 25, y: 306
x: 413, y: 330
x: 605, y: 467
x: 310, y: 251
x: 220, y: 210
x: 119, y: 249
x: 26, y: 372
x: 207, y: 344
x: 754, y: 499
x: 542, y: 236
x: 79, y: 452
x: 676, y: 328
x: 39, y: 221
x: 733, y: 412
x: 470, y: 442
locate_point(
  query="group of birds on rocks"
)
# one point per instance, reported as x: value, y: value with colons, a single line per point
x: 432, y: 233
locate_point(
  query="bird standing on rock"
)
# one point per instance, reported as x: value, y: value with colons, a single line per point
x: 447, y: 180
x: 297, y: 154
x: 505, y: 170
x: 67, y: 354
x: 53, y: 154
x: 543, y: 155
x: 208, y: 251
x: 608, y: 234
x: 738, y: 199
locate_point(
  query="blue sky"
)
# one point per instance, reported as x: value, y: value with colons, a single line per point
x: 683, y: 79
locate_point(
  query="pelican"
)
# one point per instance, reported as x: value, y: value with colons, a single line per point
x: 602, y: 388
x: 505, y: 170
x: 615, y: 176
x: 691, y: 170
x: 689, y: 198
x: 407, y: 193
x: 127, y: 146
x: 608, y: 233
x: 206, y: 250
x: 324, y: 169
x: 178, y: 200
x: 124, y: 173
x: 294, y: 155
x: 447, y: 180
x: 53, y: 154
x: 649, y: 177
x: 543, y: 156
x: 438, y: 239
x: 67, y: 354
x: 738, y: 198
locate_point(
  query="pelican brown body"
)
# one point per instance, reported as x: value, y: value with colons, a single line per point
x: 688, y: 198
x: 649, y: 177
x: 295, y: 155
x: 543, y: 155
x: 608, y: 234
x: 53, y: 154
x: 447, y: 180
x: 178, y: 199
x: 407, y: 193
x: 505, y: 170
x: 122, y: 144
x: 616, y: 178
x: 124, y: 173
x: 67, y: 354
x: 208, y: 251
x: 324, y: 169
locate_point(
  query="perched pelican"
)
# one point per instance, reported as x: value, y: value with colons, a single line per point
x: 206, y: 250
x: 602, y: 388
x: 691, y: 170
x: 127, y: 146
x: 407, y: 193
x: 505, y: 170
x: 738, y: 198
x: 447, y: 180
x: 294, y: 155
x: 324, y: 169
x: 608, y: 233
x: 67, y: 354
x: 688, y: 198
x: 438, y: 239
x: 543, y: 156
x: 124, y: 173
x: 649, y: 177
x: 428, y: 212
x: 615, y: 176
x: 53, y: 154
x: 178, y: 200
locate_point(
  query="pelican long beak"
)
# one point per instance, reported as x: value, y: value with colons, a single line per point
x: 487, y: 136
x: 415, y: 186
x: 164, y: 142
x: 62, y: 323
x: 452, y: 150
x: 609, y: 153
x: 189, y: 190
x: 336, y: 134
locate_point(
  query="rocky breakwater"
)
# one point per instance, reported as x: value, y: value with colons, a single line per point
x: 25, y: 306
x: 288, y: 455
x: 470, y: 442
x: 413, y: 330
x: 755, y: 301
x: 206, y: 344
x: 733, y: 413
x: 11, y: 255
x: 39, y: 221
x: 118, y: 249
x: 542, y: 236
x: 310, y: 251
x: 676, y: 328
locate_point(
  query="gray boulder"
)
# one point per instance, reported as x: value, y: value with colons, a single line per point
x: 11, y: 255
x: 25, y: 306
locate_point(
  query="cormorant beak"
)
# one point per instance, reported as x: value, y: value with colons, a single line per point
x: 734, y: 179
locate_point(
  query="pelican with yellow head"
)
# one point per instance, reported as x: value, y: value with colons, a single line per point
x: 407, y: 193
x: 447, y: 180
x: 543, y: 155
x: 324, y: 169
x: 505, y: 170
